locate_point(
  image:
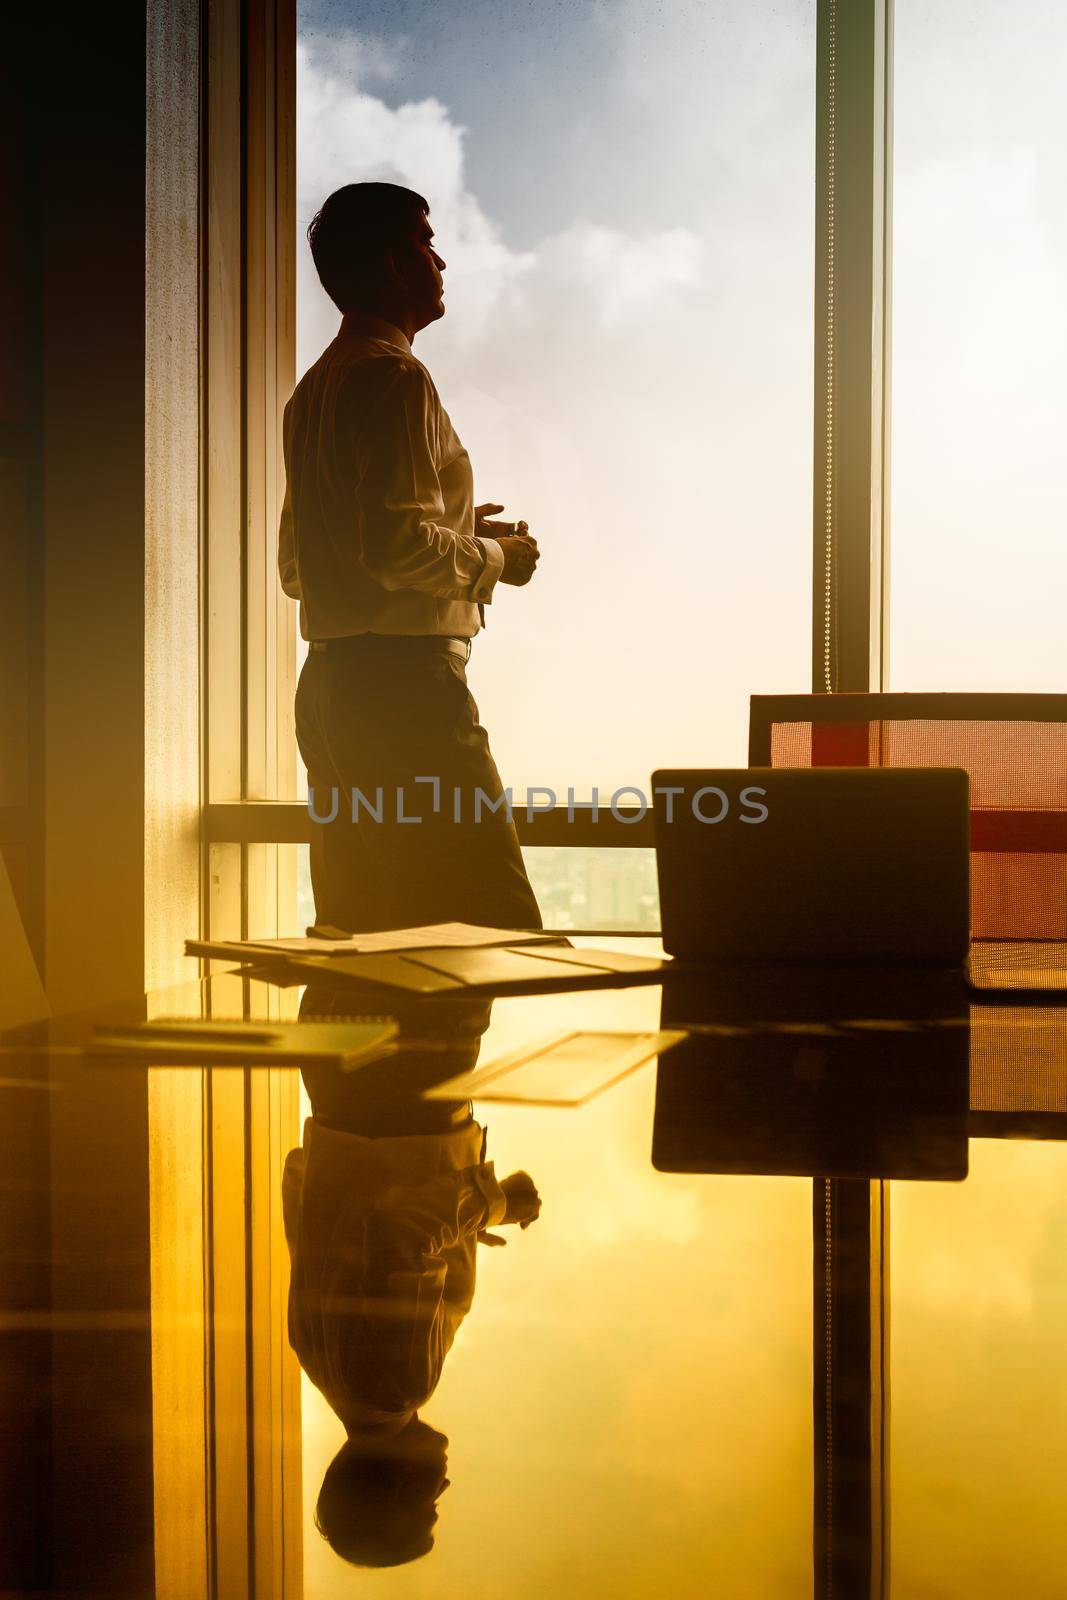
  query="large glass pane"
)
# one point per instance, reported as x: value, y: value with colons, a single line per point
x: 623, y: 193
x: 979, y: 562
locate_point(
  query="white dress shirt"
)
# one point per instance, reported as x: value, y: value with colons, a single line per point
x: 377, y: 528
x: 383, y: 1237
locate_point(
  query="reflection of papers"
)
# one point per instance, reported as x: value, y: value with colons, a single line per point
x: 1043, y: 979
x: 565, y: 1070
x: 214, y: 1042
x: 440, y: 936
x: 1038, y: 965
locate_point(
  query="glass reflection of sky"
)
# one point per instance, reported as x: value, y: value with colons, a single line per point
x: 628, y: 1404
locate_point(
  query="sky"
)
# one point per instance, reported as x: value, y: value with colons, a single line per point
x: 623, y: 195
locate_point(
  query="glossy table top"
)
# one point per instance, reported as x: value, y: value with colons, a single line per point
x: 790, y: 1319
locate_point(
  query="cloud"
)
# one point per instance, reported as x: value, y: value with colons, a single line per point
x: 623, y: 273
x: 346, y: 134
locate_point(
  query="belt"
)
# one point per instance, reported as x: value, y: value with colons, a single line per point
x: 393, y: 644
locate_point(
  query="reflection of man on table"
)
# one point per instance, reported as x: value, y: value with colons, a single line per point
x: 384, y: 1206
x: 393, y: 565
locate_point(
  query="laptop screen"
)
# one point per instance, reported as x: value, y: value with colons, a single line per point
x: 781, y: 864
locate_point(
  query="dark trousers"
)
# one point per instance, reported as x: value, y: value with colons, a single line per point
x: 387, y: 1098
x: 374, y: 715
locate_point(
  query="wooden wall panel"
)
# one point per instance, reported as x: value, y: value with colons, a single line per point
x: 178, y: 1101
x: 172, y: 491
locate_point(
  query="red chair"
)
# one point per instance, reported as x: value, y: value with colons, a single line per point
x: 1014, y: 746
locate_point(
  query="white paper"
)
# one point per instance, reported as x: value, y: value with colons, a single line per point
x: 440, y: 936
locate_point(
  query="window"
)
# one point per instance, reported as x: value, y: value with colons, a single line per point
x: 979, y: 570
x: 624, y: 198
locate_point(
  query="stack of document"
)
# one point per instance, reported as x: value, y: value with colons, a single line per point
x: 439, y: 936
x: 448, y: 958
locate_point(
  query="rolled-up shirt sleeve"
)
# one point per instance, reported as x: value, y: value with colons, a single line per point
x: 412, y: 1227
x: 404, y: 542
x: 287, y: 549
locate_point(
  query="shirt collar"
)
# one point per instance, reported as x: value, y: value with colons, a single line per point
x: 362, y: 325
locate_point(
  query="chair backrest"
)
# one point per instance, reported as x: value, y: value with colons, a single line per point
x: 1014, y: 747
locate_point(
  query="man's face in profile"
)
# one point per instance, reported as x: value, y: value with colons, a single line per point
x: 378, y: 1502
x: 422, y: 269
x: 417, y: 1507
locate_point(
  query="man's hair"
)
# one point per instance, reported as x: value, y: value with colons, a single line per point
x: 374, y: 1506
x: 352, y: 232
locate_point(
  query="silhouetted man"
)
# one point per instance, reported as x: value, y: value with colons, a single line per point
x: 393, y: 564
x: 385, y: 1204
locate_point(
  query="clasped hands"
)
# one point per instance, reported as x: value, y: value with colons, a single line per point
x: 518, y: 545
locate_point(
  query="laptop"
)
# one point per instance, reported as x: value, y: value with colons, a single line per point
x: 821, y: 864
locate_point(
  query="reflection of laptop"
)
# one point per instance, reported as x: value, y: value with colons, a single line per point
x: 839, y: 864
x: 849, y: 1102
